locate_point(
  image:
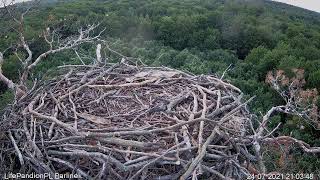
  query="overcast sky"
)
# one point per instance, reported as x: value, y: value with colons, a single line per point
x: 313, y: 5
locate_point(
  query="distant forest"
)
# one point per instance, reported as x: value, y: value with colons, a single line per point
x: 247, y: 39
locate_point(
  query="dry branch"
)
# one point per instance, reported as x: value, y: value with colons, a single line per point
x: 50, y: 35
x: 129, y: 121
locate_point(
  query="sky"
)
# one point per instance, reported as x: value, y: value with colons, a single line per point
x: 313, y: 5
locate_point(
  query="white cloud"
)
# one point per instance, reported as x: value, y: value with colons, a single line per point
x: 313, y: 5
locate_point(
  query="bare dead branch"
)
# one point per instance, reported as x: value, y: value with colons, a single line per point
x: 305, y: 147
x: 55, y: 44
x: 131, y: 120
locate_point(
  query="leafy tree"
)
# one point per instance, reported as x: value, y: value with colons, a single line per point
x: 314, y: 79
x: 256, y: 55
x: 199, y: 36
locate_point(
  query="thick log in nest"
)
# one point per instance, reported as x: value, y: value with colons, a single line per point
x: 124, y: 121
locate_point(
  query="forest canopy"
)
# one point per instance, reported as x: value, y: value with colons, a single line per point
x: 249, y: 39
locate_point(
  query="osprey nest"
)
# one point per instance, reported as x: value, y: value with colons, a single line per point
x: 125, y: 121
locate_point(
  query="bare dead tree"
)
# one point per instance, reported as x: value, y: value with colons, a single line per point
x: 53, y: 39
x: 261, y: 134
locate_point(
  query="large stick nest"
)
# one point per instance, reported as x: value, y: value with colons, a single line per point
x: 124, y: 121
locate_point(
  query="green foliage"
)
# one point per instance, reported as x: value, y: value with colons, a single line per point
x: 12, y: 67
x: 314, y: 79
x: 256, y: 55
x: 5, y: 99
x: 206, y: 36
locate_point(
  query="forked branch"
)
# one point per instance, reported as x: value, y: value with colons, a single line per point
x: 56, y: 44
